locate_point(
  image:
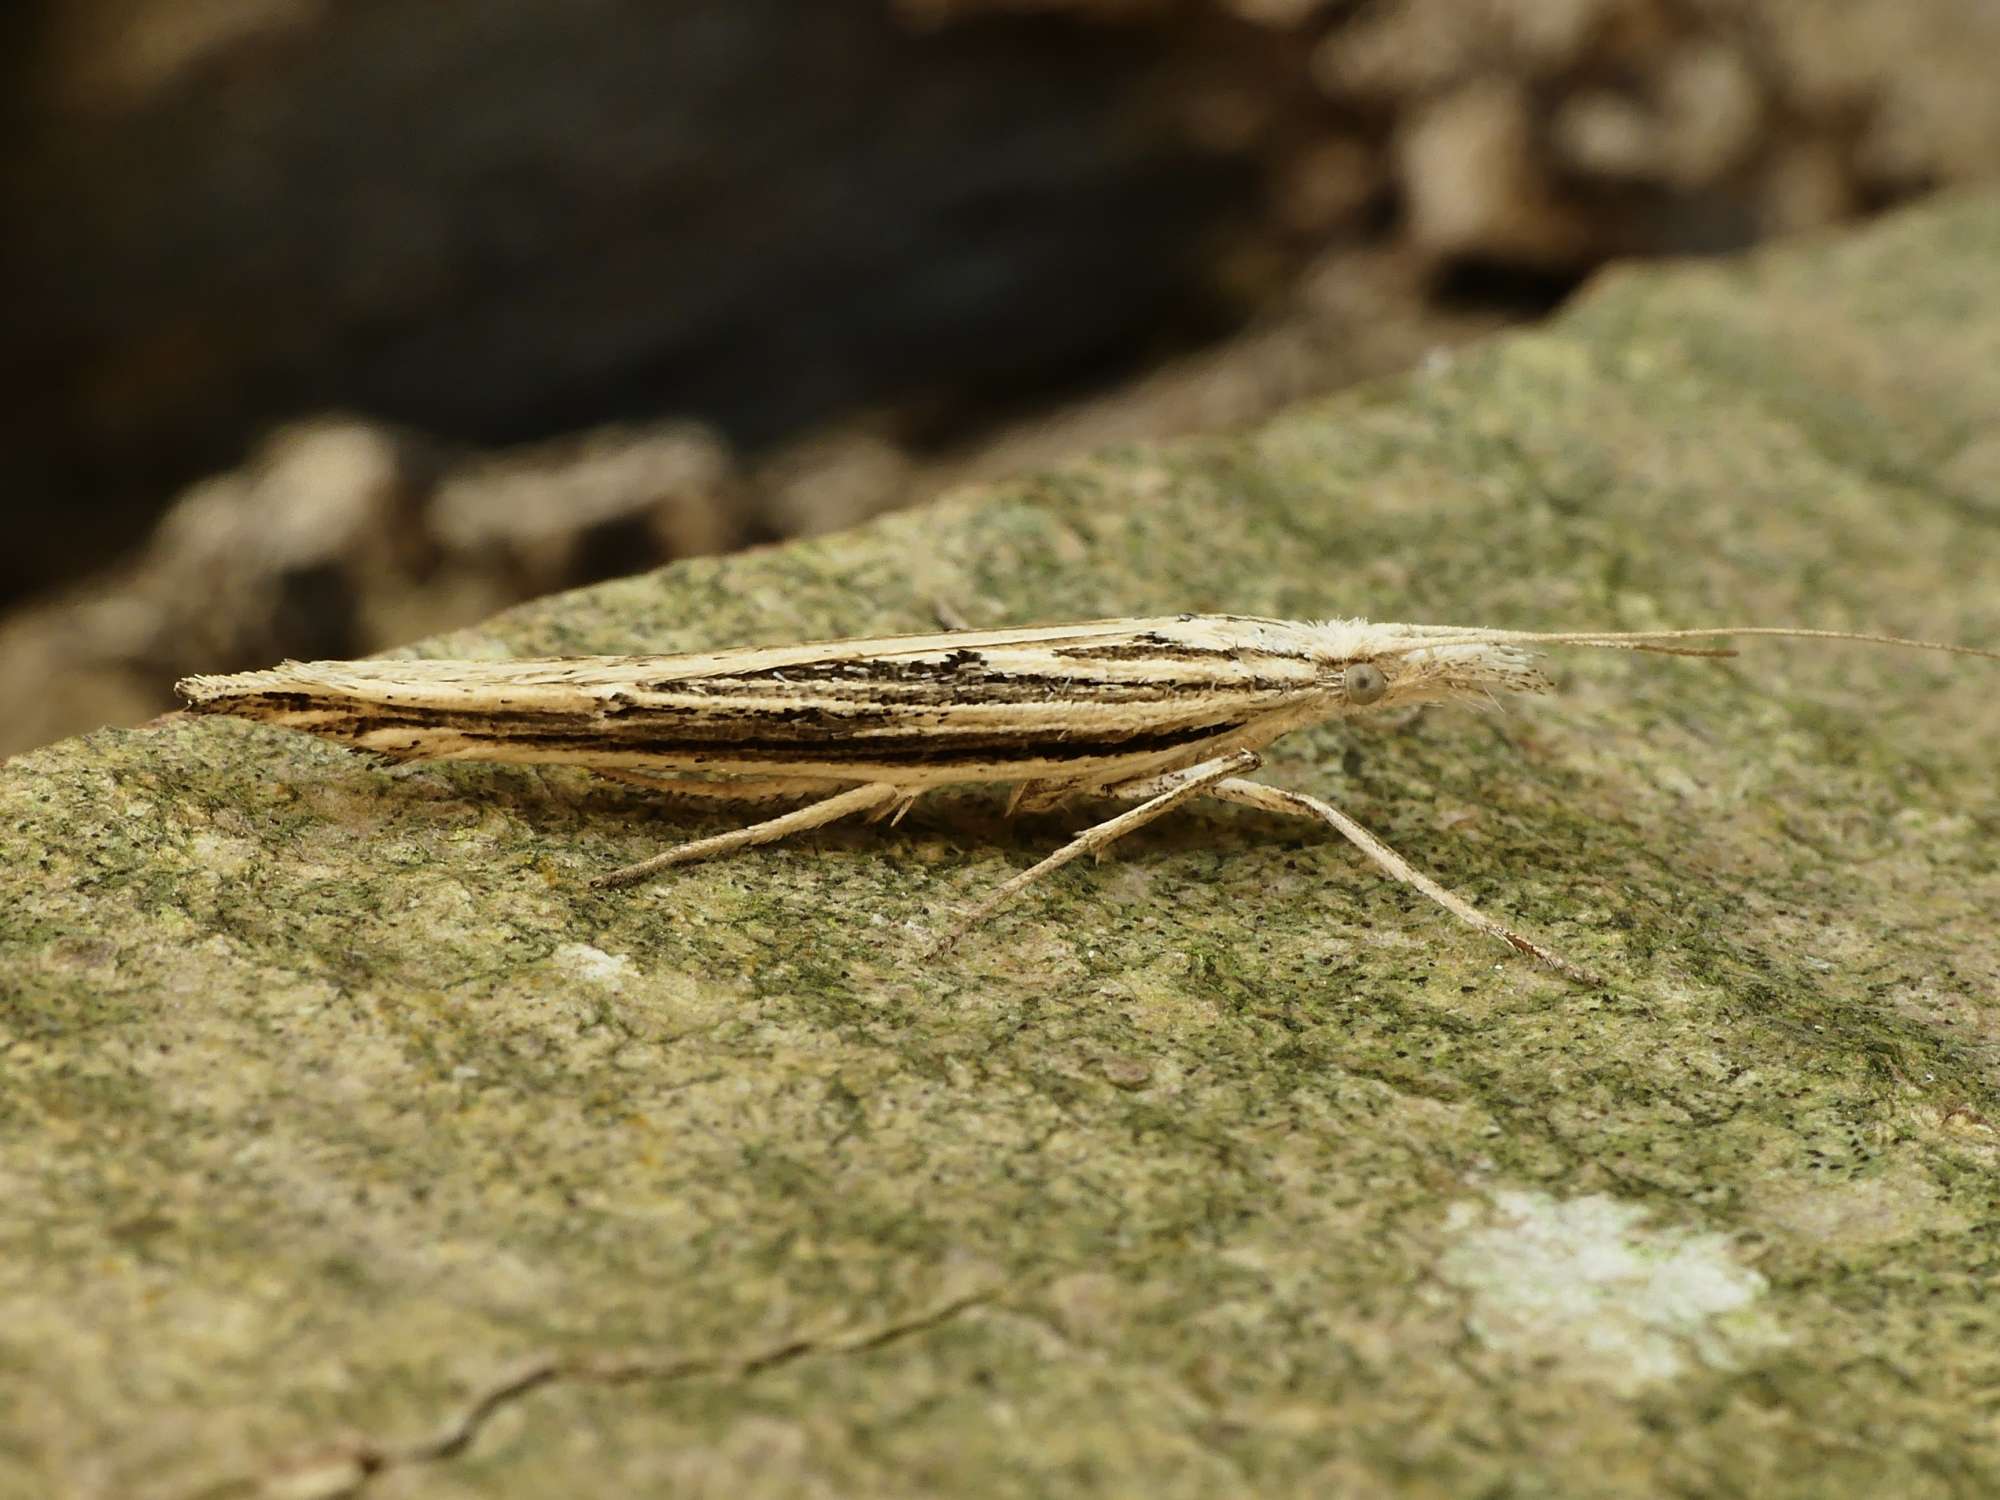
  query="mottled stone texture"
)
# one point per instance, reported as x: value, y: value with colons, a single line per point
x: 333, y: 1101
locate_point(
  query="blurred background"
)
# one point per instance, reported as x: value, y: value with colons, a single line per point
x: 334, y: 323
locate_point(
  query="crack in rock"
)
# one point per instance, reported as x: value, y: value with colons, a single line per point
x: 343, y: 1469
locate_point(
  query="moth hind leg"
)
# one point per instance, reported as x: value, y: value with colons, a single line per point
x: 1298, y: 805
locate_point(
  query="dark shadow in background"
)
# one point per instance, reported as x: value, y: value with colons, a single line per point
x: 497, y: 220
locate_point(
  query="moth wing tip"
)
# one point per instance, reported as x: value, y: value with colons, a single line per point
x: 199, y: 690
x: 216, y: 692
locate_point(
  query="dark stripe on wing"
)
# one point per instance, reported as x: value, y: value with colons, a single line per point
x: 1152, y: 647
x: 966, y: 676
x: 813, y: 734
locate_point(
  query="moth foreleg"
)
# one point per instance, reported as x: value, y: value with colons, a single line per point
x: 1170, y: 792
x: 1299, y: 805
x: 853, y: 800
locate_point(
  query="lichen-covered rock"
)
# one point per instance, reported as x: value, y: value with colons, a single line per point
x: 352, y: 1145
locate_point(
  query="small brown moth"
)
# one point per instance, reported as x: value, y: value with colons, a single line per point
x: 1152, y: 711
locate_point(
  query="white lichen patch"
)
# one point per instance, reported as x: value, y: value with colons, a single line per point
x: 1584, y: 1285
x: 580, y: 961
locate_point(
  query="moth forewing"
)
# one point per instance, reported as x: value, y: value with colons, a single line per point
x: 1154, y: 710
x: 1076, y: 704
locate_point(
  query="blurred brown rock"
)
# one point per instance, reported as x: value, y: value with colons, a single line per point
x: 340, y: 538
x: 1474, y: 187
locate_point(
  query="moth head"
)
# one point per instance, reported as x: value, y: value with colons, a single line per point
x: 1372, y: 666
x: 1404, y: 677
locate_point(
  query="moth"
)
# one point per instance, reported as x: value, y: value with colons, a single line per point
x: 1148, y: 711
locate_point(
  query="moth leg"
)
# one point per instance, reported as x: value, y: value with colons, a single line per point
x: 854, y: 799
x: 1171, y: 791
x: 897, y: 810
x: 1037, y: 796
x: 743, y: 789
x: 1299, y: 805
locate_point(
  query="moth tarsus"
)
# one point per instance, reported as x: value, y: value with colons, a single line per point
x: 1156, y: 711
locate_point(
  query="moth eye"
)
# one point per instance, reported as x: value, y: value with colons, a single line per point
x: 1363, y: 683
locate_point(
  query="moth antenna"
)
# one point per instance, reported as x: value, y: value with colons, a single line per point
x: 1656, y: 640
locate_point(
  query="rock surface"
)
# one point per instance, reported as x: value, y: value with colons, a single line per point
x: 353, y: 1146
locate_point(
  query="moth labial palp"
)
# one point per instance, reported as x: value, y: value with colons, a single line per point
x: 1155, y: 711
